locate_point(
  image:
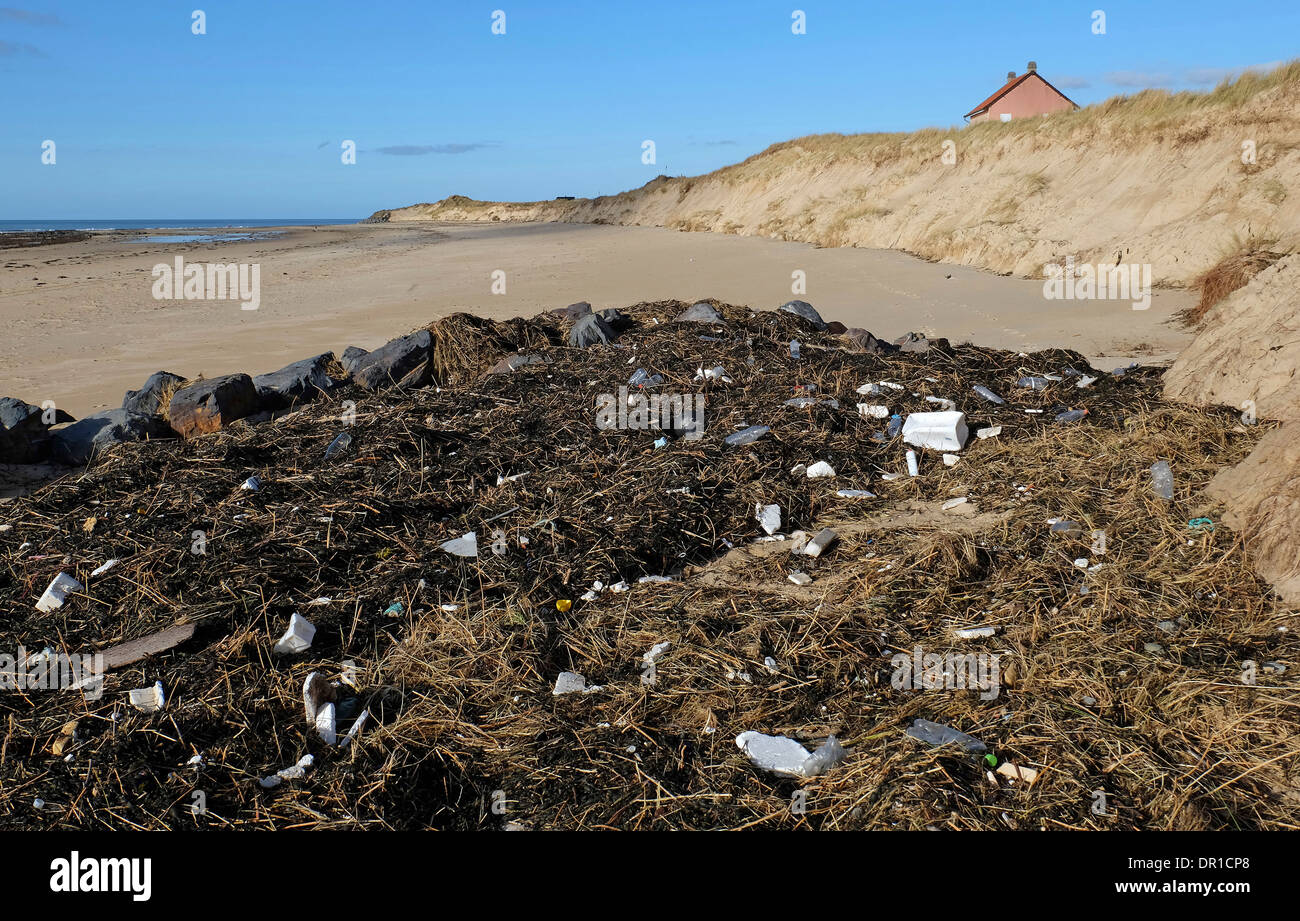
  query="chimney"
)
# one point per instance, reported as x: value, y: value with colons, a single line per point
x: 1033, y: 67
x: 1011, y: 75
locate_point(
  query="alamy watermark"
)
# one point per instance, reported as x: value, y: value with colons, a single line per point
x: 75, y: 873
x: 200, y: 281
x: 930, y: 671
x: 48, y: 670
x: 639, y: 411
x: 1119, y: 282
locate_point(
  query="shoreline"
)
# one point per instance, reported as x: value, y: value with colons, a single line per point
x: 85, y: 327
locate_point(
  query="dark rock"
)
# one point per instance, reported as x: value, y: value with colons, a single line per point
x: 591, y: 330
x: 24, y: 434
x: 148, y: 399
x: 81, y: 441
x: 15, y: 413
x: 403, y: 362
x: 862, y: 341
x: 913, y: 342
x: 18, y: 447
x: 836, y: 328
x: 617, y: 320
x: 300, y: 382
x: 570, y: 314
x: 209, y: 405
x: 352, y: 359
x: 805, y: 310
x: 701, y: 312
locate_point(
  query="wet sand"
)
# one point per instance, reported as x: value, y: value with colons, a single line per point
x: 81, y: 324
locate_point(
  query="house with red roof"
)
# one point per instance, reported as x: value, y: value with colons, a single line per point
x: 1021, y: 97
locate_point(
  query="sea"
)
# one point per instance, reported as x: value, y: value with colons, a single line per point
x: 169, y: 223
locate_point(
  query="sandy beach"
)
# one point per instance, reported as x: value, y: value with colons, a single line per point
x: 82, y: 325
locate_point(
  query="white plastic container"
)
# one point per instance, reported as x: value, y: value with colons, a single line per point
x: 58, y: 592
x: 943, y: 431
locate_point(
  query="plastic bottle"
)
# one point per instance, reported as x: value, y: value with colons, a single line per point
x: 794, y: 349
x: 1162, y: 480
x: 895, y: 425
x: 747, y: 436
x: 938, y: 734
x: 338, y: 445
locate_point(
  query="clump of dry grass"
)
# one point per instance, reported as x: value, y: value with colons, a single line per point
x: 464, y: 346
x: 1232, y: 272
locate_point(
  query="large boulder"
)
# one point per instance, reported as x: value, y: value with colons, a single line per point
x: 212, y: 404
x: 81, y: 441
x: 16, y: 413
x: 149, y: 398
x: 300, y: 382
x: 403, y: 362
x: 24, y: 431
x: 860, y: 340
x: 805, y: 310
x: 570, y: 314
x: 913, y: 342
x: 351, y: 359
x: 591, y: 330
x: 701, y: 312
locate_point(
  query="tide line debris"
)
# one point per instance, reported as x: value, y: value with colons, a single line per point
x: 457, y: 656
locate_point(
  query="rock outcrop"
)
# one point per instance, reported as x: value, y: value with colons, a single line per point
x: 401, y: 362
x: 701, y: 312
x: 212, y: 404
x: 83, y: 440
x: 25, y: 431
x: 150, y: 398
x: 300, y: 382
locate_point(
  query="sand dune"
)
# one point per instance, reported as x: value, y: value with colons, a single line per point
x: 1154, y: 178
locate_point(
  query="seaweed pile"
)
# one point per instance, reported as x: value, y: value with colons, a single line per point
x: 1151, y: 668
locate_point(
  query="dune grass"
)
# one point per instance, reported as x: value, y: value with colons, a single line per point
x: 1240, y: 264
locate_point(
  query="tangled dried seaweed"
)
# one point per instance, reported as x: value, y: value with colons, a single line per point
x: 465, y: 732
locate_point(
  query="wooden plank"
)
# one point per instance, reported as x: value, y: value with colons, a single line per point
x: 135, y: 650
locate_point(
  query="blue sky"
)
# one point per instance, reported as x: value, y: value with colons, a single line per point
x: 153, y: 121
